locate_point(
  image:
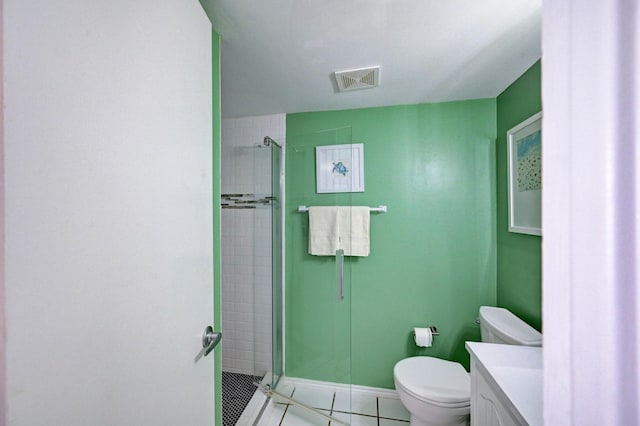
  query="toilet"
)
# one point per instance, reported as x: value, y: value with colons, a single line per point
x: 437, y: 392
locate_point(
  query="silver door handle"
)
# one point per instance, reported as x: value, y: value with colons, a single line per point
x: 210, y: 339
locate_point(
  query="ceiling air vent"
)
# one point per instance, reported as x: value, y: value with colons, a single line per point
x: 362, y: 78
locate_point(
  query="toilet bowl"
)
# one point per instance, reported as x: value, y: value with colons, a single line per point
x: 434, y: 391
x: 437, y: 392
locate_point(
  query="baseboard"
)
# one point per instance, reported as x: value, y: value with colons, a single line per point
x: 387, y: 393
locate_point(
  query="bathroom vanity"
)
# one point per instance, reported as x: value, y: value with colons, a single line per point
x: 506, y: 384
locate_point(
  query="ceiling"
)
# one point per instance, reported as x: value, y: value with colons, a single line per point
x: 278, y: 56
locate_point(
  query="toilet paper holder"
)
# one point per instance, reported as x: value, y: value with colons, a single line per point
x: 434, y: 331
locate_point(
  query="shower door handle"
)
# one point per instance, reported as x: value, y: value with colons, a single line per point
x: 210, y: 339
x: 340, y: 273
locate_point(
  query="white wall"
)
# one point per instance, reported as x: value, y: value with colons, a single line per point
x: 246, y: 244
x: 591, y: 212
x: 108, y: 209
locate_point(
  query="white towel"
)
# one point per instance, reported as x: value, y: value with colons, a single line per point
x: 353, y: 230
x: 323, y: 230
x: 332, y: 228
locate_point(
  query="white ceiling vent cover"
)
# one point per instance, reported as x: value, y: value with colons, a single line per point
x: 361, y: 78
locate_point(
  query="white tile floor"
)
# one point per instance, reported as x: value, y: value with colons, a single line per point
x: 357, y: 408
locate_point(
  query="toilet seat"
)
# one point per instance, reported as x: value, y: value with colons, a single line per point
x: 435, y: 380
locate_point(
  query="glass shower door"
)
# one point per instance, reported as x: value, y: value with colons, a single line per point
x: 267, y: 267
x: 317, y: 355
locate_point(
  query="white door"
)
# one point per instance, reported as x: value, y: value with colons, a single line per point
x: 108, y: 212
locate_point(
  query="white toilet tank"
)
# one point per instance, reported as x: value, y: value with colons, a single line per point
x: 498, y: 325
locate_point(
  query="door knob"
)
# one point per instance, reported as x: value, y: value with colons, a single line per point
x: 210, y: 339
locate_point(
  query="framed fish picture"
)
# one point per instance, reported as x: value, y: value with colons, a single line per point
x: 524, y: 143
x: 340, y: 168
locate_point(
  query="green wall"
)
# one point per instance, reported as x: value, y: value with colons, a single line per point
x: 519, y: 255
x: 217, y: 262
x: 433, y: 255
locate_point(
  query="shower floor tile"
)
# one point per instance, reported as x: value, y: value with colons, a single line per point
x: 237, y: 391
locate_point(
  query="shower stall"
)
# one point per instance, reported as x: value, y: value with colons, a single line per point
x: 286, y: 315
x: 251, y: 260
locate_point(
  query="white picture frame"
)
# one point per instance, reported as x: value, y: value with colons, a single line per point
x: 340, y: 168
x: 524, y: 143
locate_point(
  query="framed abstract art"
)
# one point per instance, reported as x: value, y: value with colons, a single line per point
x: 524, y: 143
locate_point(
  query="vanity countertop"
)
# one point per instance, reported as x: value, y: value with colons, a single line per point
x: 517, y: 372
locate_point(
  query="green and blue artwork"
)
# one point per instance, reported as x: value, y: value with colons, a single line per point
x: 529, y: 151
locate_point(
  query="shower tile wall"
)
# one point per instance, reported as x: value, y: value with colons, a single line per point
x: 246, y: 245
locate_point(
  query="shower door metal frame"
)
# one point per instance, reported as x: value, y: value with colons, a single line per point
x: 277, y: 362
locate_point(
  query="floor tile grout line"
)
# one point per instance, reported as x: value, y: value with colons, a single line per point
x: 287, y: 407
x: 283, y: 414
x: 333, y: 402
x: 357, y: 414
x: 393, y: 418
x: 368, y: 415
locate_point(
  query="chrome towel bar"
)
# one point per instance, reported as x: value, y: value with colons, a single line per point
x: 380, y: 209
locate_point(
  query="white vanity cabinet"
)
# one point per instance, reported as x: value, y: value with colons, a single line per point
x: 506, y: 384
x: 488, y: 407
